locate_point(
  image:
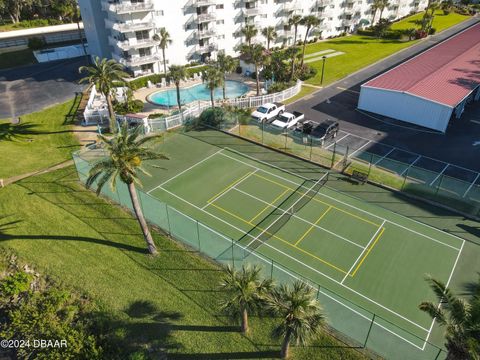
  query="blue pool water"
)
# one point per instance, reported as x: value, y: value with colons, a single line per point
x: 197, y: 92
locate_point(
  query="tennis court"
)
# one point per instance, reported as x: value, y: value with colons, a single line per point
x: 367, y: 255
x: 368, y: 264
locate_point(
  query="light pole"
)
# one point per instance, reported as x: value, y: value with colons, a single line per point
x: 323, y: 68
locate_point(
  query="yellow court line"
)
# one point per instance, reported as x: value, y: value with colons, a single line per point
x: 320, y: 201
x: 368, y: 252
x: 279, y: 238
x: 313, y: 226
x: 228, y: 187
x: 269, y: 205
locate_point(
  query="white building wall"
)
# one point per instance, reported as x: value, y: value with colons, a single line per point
x: 196, y: 37
x: 405, y: 107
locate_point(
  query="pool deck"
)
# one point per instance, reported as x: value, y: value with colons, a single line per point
x: 150, y: 108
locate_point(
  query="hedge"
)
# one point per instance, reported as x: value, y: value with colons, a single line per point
x: 156, y: 78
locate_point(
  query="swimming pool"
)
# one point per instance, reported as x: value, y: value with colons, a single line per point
x: 197, y: 92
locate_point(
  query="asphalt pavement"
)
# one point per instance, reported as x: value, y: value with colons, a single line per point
x: 459, y: 146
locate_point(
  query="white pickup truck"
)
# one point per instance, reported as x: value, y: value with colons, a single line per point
x: 288, y: 120
x: 268, y: 112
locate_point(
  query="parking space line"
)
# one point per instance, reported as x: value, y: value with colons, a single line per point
x: 439, y: 174
x: 411, y: 164
x: 471, y: 185
x: 384, y: 156
x: 360, y: 148
x: 333, y: 143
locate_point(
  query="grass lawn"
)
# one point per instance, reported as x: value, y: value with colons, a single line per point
x: 361, y: 51
x: 306, y: 90
x: 16, y: 58
x: 440, y: 21
x: 40, y: 140
x: 168, y: 303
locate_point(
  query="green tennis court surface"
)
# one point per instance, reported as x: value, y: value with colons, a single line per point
x: 366, y: 255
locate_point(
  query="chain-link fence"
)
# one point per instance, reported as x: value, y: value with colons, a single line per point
x: 411, y: 176
x: 356, y: 326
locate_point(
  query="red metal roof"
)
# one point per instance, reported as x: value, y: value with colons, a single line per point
x: 446, y: 73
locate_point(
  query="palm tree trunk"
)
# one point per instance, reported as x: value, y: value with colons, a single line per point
x: 244, y: 321
x: 213, y: 104
x: 111, y: 113
x: 178, y: 98
x: 164, y: 63
x: 224, y: 90
x: 257, y: 79
x: 268, y: 44
x: 381, y: 13
x: 286, y: 345
x: 152, y: 249
x: 292, y: 73
x: 304, y: 46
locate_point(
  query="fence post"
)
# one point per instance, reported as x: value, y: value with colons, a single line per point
x: 369, y: 330
x: 345, y: 158
x: 311, y: 147
x: 333, y: 155
x: 405, y: 177
x: 370, y: 165
x: 285, y: 133
x: 271, y: 271
x: 439, y: 352
x: 198, y: 237
x: 439, y: 185
x: 233, y: 257
x: 168, y: 221
x: 263, y: 129
x: 318, y: 291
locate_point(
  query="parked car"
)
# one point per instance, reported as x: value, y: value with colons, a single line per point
x: 288, y: 120
x: 268, y: 112
x: 325, y: 130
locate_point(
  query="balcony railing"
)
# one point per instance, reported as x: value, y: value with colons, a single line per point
x: 127, y: 7
x: 207, y: 17
x: 202, y: 49
x: 129, y: 26
x: 137, y: 60
x: 203, y: 34
x: 131, y: 44
x: 255, y: 11
x: 200, y: 3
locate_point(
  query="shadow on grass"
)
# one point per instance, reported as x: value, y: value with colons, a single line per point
x: 238, y: 355
x: 17, y: 132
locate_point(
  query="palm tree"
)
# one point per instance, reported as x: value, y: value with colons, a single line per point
x: 382, y: 4
x: 103, y: 74
x: 245, y: 293
x: 460, y: 319
x: 226, y: 64
x: 300, y: 314
x: 125, y: 153
x: 374, y: 8
x: 295, y: 21
x: 292, y: 54
x: 249, y: 31
x: 310, y: 22
x: 213, y: 77
x: 163, y: 37
x: 270, y: 34
x: 177, y: 74
x: 255, y: 54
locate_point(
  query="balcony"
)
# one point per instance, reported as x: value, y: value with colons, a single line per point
x: 203, y: 49
x: 255, y: 11
x: 207, y: 33
x: 129, y: 26
x: 127, y: 7
x: 352, y: 10
x: 126, y: 45
x: 348, y: 22
x: 201, y: 3
x: 207, y: 17
x: 292, y: 6
x: 137, y: 60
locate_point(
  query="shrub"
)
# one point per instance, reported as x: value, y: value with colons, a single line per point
x: 212, y: 117
x: 36, y: 43
x: 306, y: 72
x: 156, y: 116
x: 128, y: 107
x: 238, y: 70
x: 279, y: 86
x: 432, y: 31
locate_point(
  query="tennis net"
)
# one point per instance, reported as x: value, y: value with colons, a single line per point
x: 277, y: 218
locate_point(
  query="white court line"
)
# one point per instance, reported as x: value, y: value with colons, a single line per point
x: 446, y: 285
x: 228, y: 190
x: 360, y: 148
x: 366, y: 247
x: 337, y: 141
x: 471, y: 185
x: 354, y: 207
x: 313, y: 269
x: 439, y: 174
x: 411, y: 164
x: 184, y: 171
x: 384, y: 156
x: 302, y: 219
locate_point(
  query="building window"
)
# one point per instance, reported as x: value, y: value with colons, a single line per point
x: 220, y: 22
x: 144, y: 52
x: 219, y: 6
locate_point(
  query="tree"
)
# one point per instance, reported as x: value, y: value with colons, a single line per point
x: 163, y: 38
x: 295, y: 21
x: 270, y: 34
x: 310, y: 22
x: 428, y: 15
x: 245, y: 293
x: 461, y: 320
x: 374, y: 9
x: 255, y: 54
x: 292, y: 54
x: 226, y: 64
x: 381, y: 28
x: 249, y: 31
x: 126, y: 152
x: 447, y: 6
x: 299, y: 312
x: 103, y: 74
x: 213, y: 78
x: 178, y: 74
x: 14, y: 8
x: 382, y: 4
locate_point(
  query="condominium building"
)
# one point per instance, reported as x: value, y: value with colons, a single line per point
x: 200, y: 29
